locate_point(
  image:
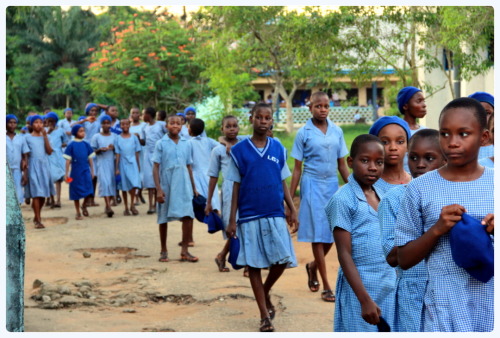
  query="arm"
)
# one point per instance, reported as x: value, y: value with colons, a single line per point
x: 160, y: 194
x: 343, y: 169
x: 48, y: 148
x: 297, y: 173
x: 67, y: 169
x: 415, y: 251
x: 190, y: 170
x: 369, y: 309
x: 91, y: 164
x: 211, y: 188
x: 138, y: 160
x: 292, y: 220
x: 231, y: 228
x: 117, y: 162
x: 392, y: 257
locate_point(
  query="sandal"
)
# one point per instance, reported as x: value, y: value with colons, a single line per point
x: 78, y: 217
x: 126, y: 213
x: 118, y: 199
x: 190, y: 244
x: 187, y: 257
x: 39, y: 225
x: 151, y: 211
x: 221, y: 264
x: 56, y: 205
x: 163, y: 256
x: 142, y: 199
x: 85, y: 212
x: 266, y: 325
x: 328, y: 296
x: 270, y: 307
x: 109, y: 212
x: 134, y: 211
x: 313, y: 284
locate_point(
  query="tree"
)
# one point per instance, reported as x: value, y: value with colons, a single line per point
x: 65, y: 81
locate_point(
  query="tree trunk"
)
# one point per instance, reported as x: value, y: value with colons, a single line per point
x: 288, y: 100
x: 67, y: 101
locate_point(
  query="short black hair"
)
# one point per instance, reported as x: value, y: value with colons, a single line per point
x: 318, y: 94
x: 259, y: 106
x: 427, y: 133
x: 363, y: 139
x: 162, y: 115
x: 468, y: 103
x: 150, y: 111
x: 227, y: 117
x: 491, y: 121
x: 197, y: 126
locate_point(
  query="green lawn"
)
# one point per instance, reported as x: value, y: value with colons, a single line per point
x: 350, y: 132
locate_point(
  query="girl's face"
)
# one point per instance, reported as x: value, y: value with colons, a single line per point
x: 113, y: 112
x: 93, y: 111
x: 416, y: 106
x: 190, y: 115
x: 262, y: 120
x: 320, y: 107
x: 135, y: 115
x: 146, y: 117
x: 174, y: 125
x: 489, y: 109
x: 125, y: 125
x: 460, y: 136
x: 424, y: 156
x: 106, y: 125
x: 37, y: 125
x: 68, y: 114
x: 50, y: 122
x: 368, y: 164
x: 11, y: 126
x: 81, y: 133
x: 230, y: 128
x: 393, y: 138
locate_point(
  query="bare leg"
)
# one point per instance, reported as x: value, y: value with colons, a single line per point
x: 125, y: 203
x: 37, y: 208
x: 58, y: 193
x: 163, y: 236
x: 258, y: 290
x: 320, y: 250
x: 151, y: 196
x: 187, y: 233
x: 132, y: 199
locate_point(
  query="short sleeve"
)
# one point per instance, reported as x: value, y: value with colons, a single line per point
x: 285, y: 171
x: 157, y: 152
x: 137, y: 144
x: 213, y: 143
x: 233, y: 173
x: 342, y: 150
x: 68, y: 153
x: 90, y: 151
x: 338, y: 213
x: 24, y: 146
x: 214, y: 166
x: 409, y: 224
x: 298, y: 146
x: 189, y: 155
x: 93, y: 142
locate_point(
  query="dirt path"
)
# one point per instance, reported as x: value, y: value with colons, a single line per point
x: 122, y: 286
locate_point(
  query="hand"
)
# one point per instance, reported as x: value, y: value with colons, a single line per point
x: 231, y: 229
x: 370, y: 312
x: 24, y: 180
x: 92, y: 175
x: 111, y: 147
x: 228, y: 148
x: 196, y: 193
x: 292, y: 220
x: 489, y: 221
x: 44, y: 132
x: 450, y: 215
x: 208, y: 208
x: 91, y: 119
x: 103, y: 149
x: 117, y: 172
x: 160, y: 196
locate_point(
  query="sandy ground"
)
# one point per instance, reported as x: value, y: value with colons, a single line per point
x: 122, y: 287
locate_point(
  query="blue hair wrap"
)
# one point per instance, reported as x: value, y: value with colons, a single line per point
x: 483, y: 97
x: 405, y: 95
x: 181, y: 114
x: 11, y: 117
x: 52, y: 115
x: 90, y: 106
x: 75, y: 129
x: 71, y: 109
x: 188, y: 109
x: 385, y: 120
x: 33, y: 118
x: 105, y: 118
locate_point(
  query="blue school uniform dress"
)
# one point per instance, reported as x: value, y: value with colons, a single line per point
x: 152, y: 133
x: 16, y: 147
x: 105, y: 166
x: 202, y: 148
x: 383, y: 187
x: 65, y: 125
x: 348, y: 209
x: 129, y: 168
x: 174, y: 179
x: 487, y: 162
x: 220, y: 161
x: 486, y: 151
x: 79, y: 152
x: 454, y: 300
x: 262, y: 229
x: 39, y: 181
x: 139, y: 130
x: 91, y: 128
x: 411, y: 283
x: 57, y: 162
x: 320, y: 153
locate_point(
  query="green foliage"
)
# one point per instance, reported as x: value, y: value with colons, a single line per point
x: 65, y: 82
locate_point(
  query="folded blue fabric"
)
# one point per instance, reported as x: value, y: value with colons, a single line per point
x: 382, y: 326
x: 472, y: 248
x: 118, y: 178
x: 214, y: 222
x: 234, y: 250
x: 199, y: 204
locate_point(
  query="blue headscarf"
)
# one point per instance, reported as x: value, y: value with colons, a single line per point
x: 12, y: 117
x: 33, y: 118
x: 405, y: 95
x: 75, y: 129
x: 483, y: 97
x: 52, y: 115
x: 189, y: 109
x: 65, y: 110
x: 182, y: 114
x: 106, y: 118
x: 90, y: 106
x: 385, y: 120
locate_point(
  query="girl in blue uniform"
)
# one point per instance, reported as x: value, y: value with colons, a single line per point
x: 219, y: 162
x: 153, y: 132
x: 432, y: 205
x: 175, y: 187
x: 137, y: 129
x: 259, y: 171
x: 320, y: 145
x: 424, y: 155
x: 103, y: 145
x: 127, y: 149
x: 488, y: 102
x: 394, y: 134
x: 365, y: 282
x: 58, y: 141
x: 16, y: 156
x: 79, y: 155
x: 39, y: 181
